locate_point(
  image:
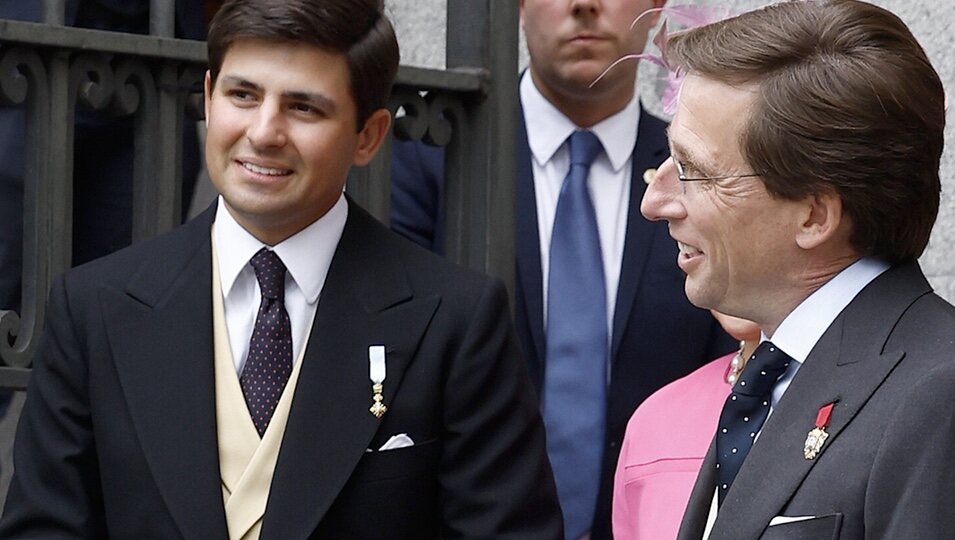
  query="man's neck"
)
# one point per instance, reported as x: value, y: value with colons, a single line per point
x: 587, y: 108
x: 811, y: 279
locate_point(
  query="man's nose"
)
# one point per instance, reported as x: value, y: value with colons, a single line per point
x: 663, y: 197
x: 585, y: 7
x: 268, y: 127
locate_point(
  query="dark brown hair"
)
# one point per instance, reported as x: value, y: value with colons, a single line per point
x: 847, y: 101
x: 356, y: 28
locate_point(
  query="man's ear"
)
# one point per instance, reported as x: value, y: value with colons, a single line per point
x: 371, y: 136
x: 208, y: 95
x: 822, y: 220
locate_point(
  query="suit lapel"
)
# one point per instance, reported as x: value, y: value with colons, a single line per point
x: 698, y: 507
x: 846, y: 366
x: 649, y: 152
x: 367, y: 300
x: 160, y: 331
x: 527, y: 240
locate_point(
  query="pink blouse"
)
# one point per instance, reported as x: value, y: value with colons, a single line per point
x: 663, y: 449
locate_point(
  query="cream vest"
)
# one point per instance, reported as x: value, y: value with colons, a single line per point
x: 246, y: 462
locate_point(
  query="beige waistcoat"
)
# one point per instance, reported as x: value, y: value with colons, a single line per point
x: 246, y: 462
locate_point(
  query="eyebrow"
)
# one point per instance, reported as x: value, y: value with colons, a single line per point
x: 688, y: 156
x: 321, y: 100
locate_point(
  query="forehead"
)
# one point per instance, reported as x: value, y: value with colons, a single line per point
x: 709, y: 121
x: 278, y: 63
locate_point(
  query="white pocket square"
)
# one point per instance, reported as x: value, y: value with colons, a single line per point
x: 782, y: 520
x: 401, y: 440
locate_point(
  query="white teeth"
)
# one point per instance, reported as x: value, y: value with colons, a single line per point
x: 688, y: 250
x: 266, y: 170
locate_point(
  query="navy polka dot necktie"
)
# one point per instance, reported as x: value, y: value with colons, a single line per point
x: 745, y: 410
x: 269, y: 363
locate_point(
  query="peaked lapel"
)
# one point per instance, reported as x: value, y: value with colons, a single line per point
x: 846, y: 366
x: 650, y: 151
x: 160, y: 332
x: 367, y: 300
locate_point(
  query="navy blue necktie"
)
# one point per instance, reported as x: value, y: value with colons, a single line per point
x: 575, y: 377
x: 269, y: 364
x: 745, y: 410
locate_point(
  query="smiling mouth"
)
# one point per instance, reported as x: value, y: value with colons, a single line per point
x: 687, y: 251
x: 266, y: 171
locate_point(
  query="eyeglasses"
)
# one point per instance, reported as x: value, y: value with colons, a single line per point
x: 681, y: 174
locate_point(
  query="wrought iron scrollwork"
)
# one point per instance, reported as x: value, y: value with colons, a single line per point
x: 91, y: 81
x: 23, y: 81
x: 14, y: 83
x: 135, y: 87
x: 413, y: 124
x: 445, y: 110
x: 429, y: 118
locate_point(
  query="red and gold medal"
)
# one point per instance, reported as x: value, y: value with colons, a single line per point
x: 817, y: 437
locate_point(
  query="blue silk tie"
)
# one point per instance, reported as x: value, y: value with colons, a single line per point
x: 575, y: 377
x: 745, y: 411
x: 269, y: 364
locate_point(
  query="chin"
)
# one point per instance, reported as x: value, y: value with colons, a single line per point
x: 699, y: 296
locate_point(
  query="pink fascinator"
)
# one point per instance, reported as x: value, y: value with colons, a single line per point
x: 687, y: 17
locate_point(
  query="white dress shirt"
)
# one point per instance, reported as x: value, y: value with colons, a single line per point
x: 307, y: 255
x: 608, y: 182
x: 801, y: 329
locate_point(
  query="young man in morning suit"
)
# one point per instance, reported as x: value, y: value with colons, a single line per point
x: 653, y: 335
x: 803, y: 186
x: 378, y: 391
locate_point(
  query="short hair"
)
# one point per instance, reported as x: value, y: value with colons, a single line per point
x: 847, y: 101
x: 358, y: 29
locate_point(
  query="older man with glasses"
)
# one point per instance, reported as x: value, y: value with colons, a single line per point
x: 802, y: 188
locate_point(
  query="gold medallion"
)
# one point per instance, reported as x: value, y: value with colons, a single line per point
x: 379, y: 408
x: 814, y: 441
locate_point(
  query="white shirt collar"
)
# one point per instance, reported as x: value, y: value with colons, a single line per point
x: 801, y: 329
x: 307, y: 254
x: 548, y: 128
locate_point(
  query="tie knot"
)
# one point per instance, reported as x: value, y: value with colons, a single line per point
x: 762, y: 370
x: 270, y: 271
x: 584, y: 147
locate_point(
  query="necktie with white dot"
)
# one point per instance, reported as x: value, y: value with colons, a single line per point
x: 745, y: 410
x: 269, y: 364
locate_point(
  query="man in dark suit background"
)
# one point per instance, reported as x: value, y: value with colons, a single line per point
x: 803, y: 186
x: 376, y: 392
x: 652, y: 334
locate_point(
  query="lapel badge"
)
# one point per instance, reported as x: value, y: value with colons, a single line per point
x: 817, y: 437
x: 376, y: 372
x: 649, y: 175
